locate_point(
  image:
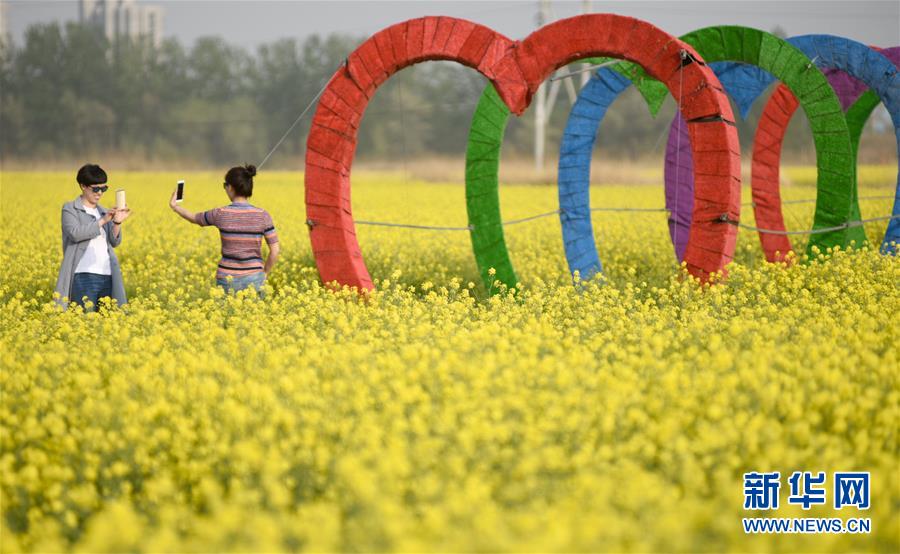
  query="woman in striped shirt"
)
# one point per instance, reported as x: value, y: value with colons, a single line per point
x: 241, y: 228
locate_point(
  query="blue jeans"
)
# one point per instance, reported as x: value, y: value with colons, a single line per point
x: 91, y: 285
x: 256, y: 280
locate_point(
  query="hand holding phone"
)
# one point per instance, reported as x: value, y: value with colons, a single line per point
x: 177, y: 196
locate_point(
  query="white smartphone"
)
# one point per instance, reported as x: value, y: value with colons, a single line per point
x: 179, y: 194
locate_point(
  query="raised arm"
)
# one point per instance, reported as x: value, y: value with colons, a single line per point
x: 186, y: 214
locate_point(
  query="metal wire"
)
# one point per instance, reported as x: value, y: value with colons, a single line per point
x: 630, y: 210
x: 598, y: 209
x: 724, y: 219
x: 811, y: 200
x: 584, y: 70
x: 531, y: 218
x: 841, y: 227
x: 504, y: 223
x: 294, y: 124
x: 411, y: 226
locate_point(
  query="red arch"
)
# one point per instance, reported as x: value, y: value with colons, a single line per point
x: 332, y: 137
x: 714, y: 140
x: 765, y: 172
x: 517, y: 70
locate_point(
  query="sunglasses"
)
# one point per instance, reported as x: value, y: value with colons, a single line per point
x: 103, y: 188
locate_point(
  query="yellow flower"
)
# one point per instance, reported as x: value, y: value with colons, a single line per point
x: 618, y: 415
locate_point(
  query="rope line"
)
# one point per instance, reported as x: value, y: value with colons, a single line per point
x: 294, y: 124
x: 840, y: 227
x: 531, y: 218
x: 412, y: 226
x: 504, y: 223
x: 723, y: 219
x: 811, y: 200
x: 584, y: 70
x: 630, y: 210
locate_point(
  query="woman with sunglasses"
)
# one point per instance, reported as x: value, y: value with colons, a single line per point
x: 90, y: 232
x: 241, y: 229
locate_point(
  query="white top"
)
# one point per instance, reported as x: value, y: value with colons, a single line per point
x: 96, y: 257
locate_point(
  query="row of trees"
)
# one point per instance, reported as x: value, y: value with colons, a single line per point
x: 67, y: 92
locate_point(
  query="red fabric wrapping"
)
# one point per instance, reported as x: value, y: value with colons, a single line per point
x: 332, y: 138
x: 766, y: 171
x: 517, y: 70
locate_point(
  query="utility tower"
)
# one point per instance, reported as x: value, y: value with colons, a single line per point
x: 545, y: 99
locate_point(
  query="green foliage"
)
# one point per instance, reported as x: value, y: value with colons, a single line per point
x: 68, y: 93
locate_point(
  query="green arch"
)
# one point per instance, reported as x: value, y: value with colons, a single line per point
x: 836, y: 166
x: 834, y: 154
x: 857, y: 116
x: 482, y: 176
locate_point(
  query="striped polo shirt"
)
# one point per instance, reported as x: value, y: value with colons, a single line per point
x: 241, y: 228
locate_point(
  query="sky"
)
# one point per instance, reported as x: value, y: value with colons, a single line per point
x: 251, y: 23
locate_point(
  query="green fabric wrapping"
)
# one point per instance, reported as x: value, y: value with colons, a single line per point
x: 834, y: 153
x: 482, y: 180
x: 857, y: 115
x: 653, y: 91
x: 838, y: 200
x: 483, y: 192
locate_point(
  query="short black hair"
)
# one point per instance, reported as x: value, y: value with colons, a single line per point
x: 91, y: 174
x: 241, y: 179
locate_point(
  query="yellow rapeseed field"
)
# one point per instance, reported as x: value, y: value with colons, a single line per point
x: 619, y: 416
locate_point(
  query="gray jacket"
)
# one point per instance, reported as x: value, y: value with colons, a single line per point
x: 78, y: 228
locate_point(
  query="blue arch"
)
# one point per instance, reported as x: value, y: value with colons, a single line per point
x: 575, y: 169
x: 744, y: 83
x: 867, y: 65
x: 578, y: 143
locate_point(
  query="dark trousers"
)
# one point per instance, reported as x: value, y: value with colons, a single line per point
x: 92, y: 286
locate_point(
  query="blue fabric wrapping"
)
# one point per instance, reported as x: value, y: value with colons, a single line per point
x: 575, y: 169
x: 859, y: 61
x: 742, y: 82
x: 850, y: 56
x: 583, y: 126
x: 753, y: 81
x: 578, y: 144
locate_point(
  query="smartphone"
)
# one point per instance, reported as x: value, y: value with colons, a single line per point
x: 179, y: 195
